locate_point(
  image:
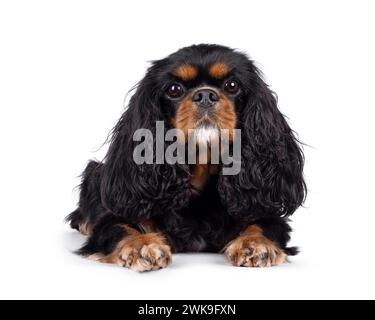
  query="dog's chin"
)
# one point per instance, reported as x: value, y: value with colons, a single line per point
x: 206, y: 134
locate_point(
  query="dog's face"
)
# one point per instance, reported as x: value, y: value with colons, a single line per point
x: 201, y: 88
x: 203, y: 97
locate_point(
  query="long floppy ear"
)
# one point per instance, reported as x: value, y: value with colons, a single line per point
x: 271, y: 179
x: 137, y: 192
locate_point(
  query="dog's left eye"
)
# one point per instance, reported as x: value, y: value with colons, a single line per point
x: 231, y: 86
x: 175, y: 91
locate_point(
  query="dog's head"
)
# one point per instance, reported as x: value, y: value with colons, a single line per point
x: 202, y: 88
x: 207, y: 88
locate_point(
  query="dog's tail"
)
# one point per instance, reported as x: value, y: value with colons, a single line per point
x: 292, y: 251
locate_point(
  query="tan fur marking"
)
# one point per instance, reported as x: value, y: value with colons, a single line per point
x: 186, y: 116
x: 130, y: 230
x: 199, y: 176
x: 186, y: 72
x: 253, y: 230
x: 225, y: 115
x: 219, y: 70
x: 85, y: 229
x: 139, y: 252
x: 253, y: 249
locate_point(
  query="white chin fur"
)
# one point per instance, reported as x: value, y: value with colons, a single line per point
x: 206, y: 135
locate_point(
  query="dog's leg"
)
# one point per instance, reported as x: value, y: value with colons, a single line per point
x: 79, y: 222
x: 121, y: 244
x: 261, y: 245
x: 90, y: 208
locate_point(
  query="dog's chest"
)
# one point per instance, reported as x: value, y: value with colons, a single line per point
x: 204, y: 224
x: 200, y: 175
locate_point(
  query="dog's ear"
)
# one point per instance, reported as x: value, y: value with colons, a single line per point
x: 271, y: 179
x: 137, y: 192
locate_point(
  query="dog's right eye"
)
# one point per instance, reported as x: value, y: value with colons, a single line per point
x: 175, y: 91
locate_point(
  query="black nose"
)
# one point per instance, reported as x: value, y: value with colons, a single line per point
x: 205, y: 98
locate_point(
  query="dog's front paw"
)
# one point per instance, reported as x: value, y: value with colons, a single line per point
x: 148, y: 257
x: 139, y: 252
x: 250, y: 251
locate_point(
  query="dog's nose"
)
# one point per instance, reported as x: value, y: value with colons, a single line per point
x: 205, y: 98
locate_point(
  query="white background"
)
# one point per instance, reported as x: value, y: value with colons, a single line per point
x: 65, y: 67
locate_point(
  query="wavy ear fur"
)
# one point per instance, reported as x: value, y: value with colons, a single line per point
x: 137, y: 192
x: 270, y: 182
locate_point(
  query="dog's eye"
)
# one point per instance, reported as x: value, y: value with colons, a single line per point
x: 231, y: 86
x: 175, y: 91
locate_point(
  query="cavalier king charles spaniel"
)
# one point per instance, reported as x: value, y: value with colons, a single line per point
x: 137, y: 215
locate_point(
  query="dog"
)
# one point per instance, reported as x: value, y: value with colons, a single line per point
x: 137, y: 215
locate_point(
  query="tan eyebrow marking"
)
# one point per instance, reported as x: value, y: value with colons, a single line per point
x: 219, y: 70
x: 186, y: 72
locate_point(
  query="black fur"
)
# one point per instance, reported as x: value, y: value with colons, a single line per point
x: 269, y: 187
x: 106, y: 234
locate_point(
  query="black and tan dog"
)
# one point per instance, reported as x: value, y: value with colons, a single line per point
x: 137, y: 215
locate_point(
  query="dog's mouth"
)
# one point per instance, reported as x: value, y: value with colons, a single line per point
x: 204, y: 121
